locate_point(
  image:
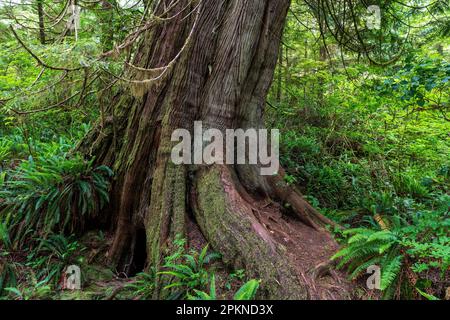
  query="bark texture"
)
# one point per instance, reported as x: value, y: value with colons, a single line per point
x: 222, y: 55
x: 40, y: 10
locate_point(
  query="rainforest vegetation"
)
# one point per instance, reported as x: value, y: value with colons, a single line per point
x: 91, y: 91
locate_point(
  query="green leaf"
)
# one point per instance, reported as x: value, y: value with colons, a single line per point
x: 212, y: 287
x: 15, y: 291
x: 248, y: 290
x: 428, y: 296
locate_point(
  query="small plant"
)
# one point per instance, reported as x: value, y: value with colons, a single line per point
x: 144, y: 285
x: 237, y: 275
x: 189, y: 271
x: 52, y: 256
x: 290, y: 179
x: 38, y: 290
x: 246, y: 292
x: 200, y: 295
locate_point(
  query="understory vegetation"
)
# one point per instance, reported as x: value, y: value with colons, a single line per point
x: 369, y: 147
x: 367, y: 144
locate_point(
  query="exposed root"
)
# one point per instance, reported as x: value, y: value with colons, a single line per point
x: 303, y: 210
x: 324, y: 269
x: 254, y: 234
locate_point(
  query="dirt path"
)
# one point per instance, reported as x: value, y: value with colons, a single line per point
x: 309, y: 249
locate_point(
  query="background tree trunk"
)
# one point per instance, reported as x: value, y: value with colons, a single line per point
x: 40, y: 10
x: 228, y: 55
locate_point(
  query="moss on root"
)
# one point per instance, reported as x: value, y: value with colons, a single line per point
x: 227, y: 222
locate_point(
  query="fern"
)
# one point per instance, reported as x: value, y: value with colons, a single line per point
x: 246, y: 292
x: 188, y: 272
x: 367, y: 247
x: 144, y: 285
x: 408, y: 248
x: 52, y: 255
x: 390, y: 271
x: 52, y: 195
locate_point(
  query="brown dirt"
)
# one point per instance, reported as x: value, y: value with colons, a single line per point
x: 309, y: 249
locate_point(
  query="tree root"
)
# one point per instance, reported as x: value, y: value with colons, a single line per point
x: 255, y: 235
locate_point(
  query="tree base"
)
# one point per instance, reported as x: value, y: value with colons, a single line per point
x: 267, y: 240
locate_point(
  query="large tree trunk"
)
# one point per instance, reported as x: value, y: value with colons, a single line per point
x: 225, y: 55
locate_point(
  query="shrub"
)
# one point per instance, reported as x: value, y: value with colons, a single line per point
x: 52, y: 195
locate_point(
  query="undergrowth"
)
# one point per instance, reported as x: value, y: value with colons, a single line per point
x: 54, y: 194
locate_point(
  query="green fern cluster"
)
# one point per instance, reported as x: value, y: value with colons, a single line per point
x: 190, y: 272
x: 367, y: 247
x: 246, y: 292
x: 406, y: 250
x: 186, y: 275
x: 51, y: 195
x: 44, y: 266
x: 35, y: 291
x: 144, y: 285
x: 52, y: 255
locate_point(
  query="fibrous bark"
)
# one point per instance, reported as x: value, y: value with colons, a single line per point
x: 221, y: 57
x: 40, y: 10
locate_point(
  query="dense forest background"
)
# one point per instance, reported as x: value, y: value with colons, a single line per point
x: 364, y: 117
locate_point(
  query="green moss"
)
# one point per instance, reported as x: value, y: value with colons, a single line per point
x: 231, y: 233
